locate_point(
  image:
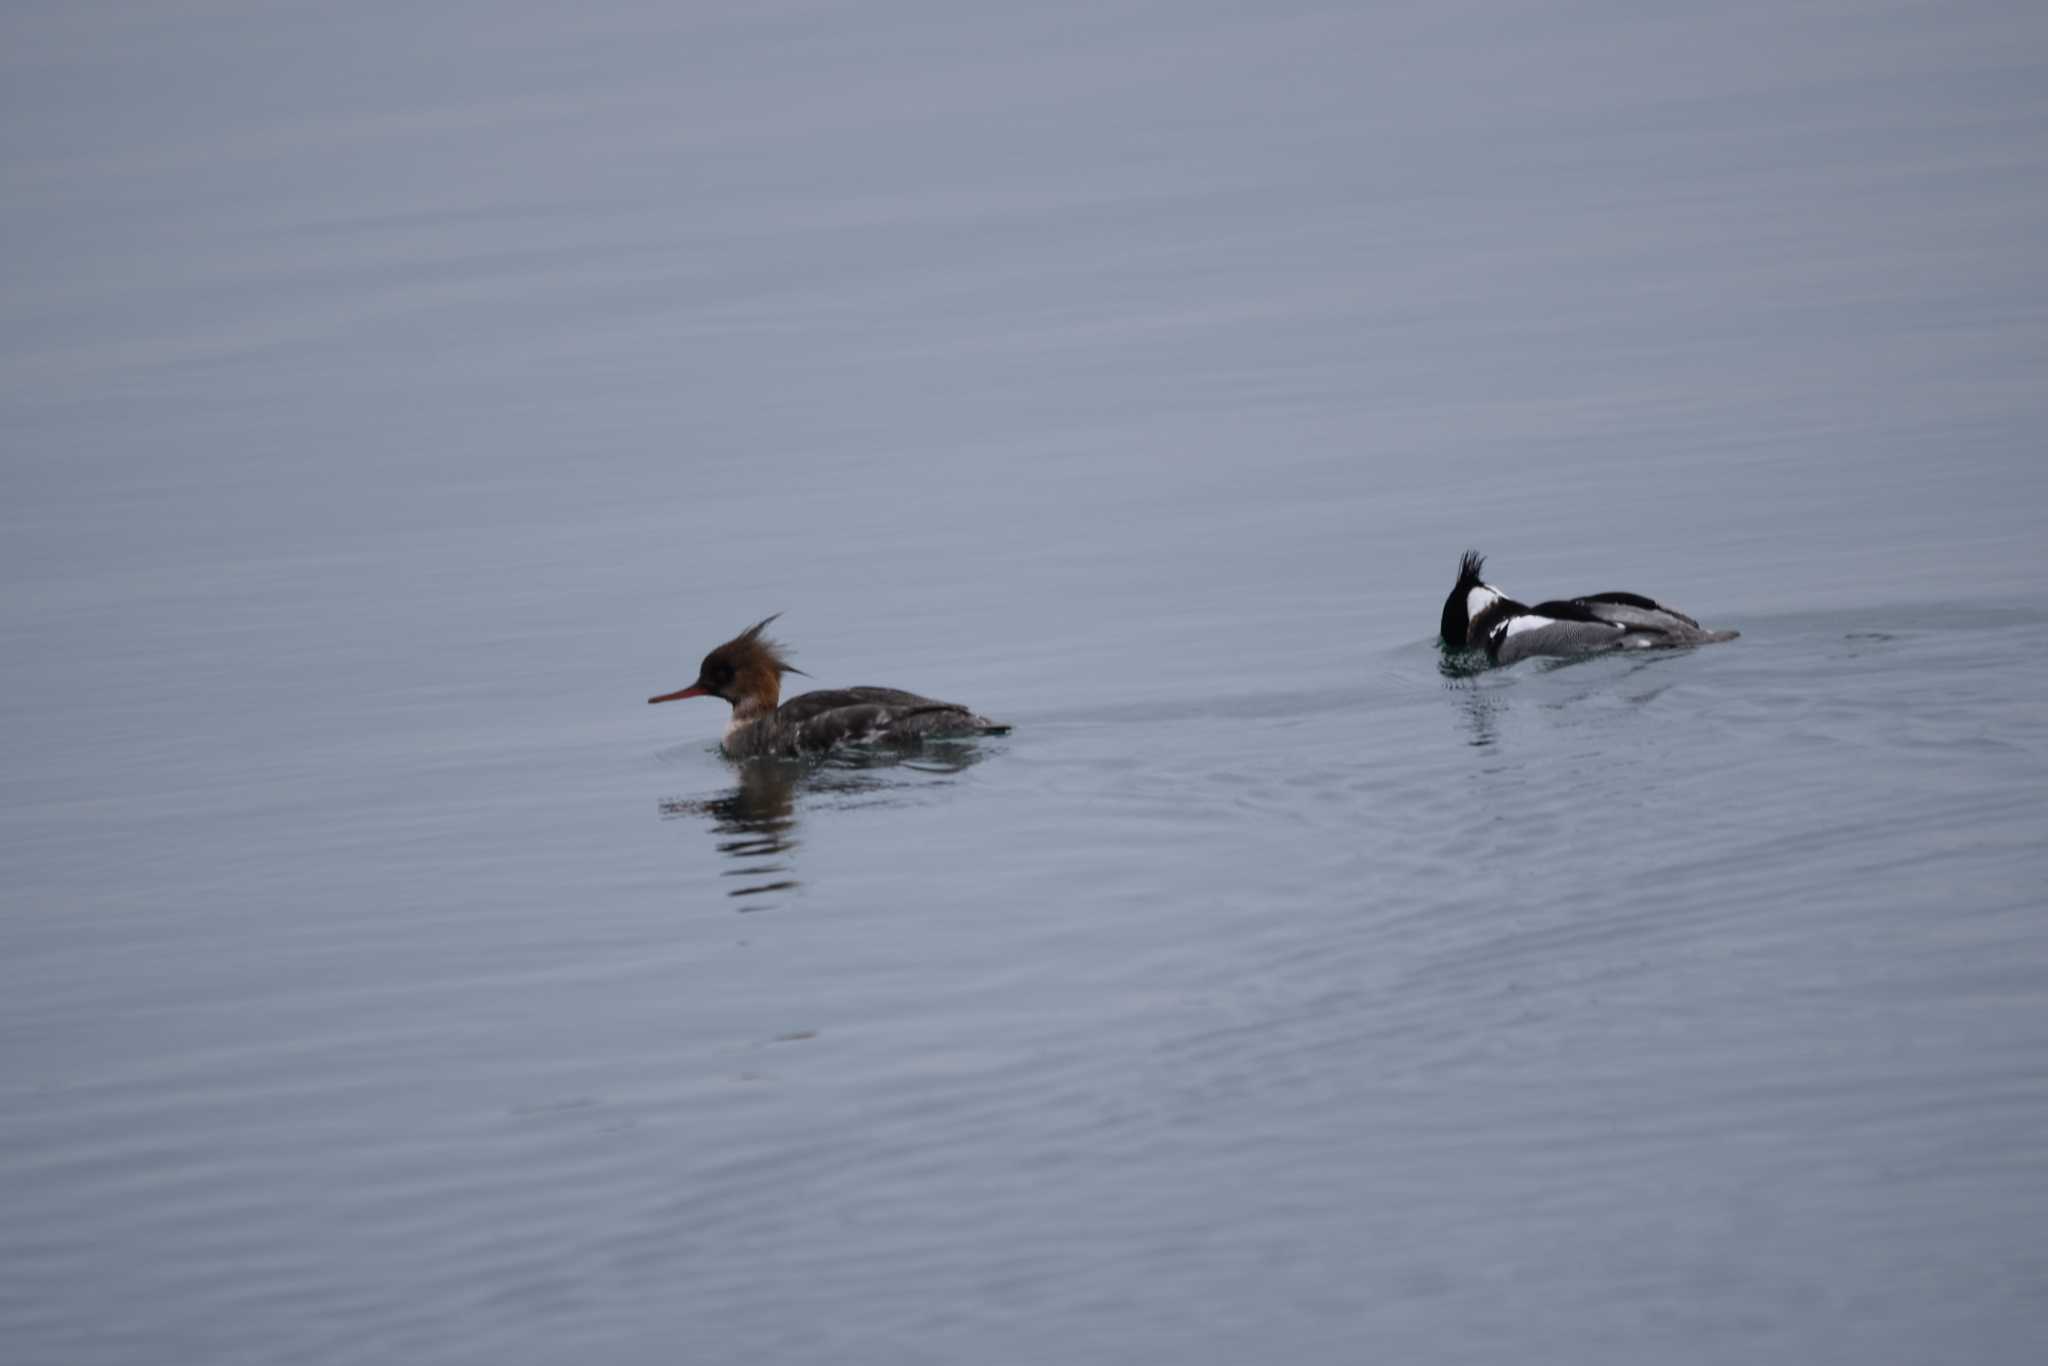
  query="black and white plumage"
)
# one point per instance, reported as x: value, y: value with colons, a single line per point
x: 1479, y: 616
x: 747, y: 672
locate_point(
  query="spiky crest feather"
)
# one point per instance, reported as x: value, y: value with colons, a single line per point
x: 750, y: 647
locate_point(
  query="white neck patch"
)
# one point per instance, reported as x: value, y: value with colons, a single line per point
x: 745, y: 714
x: 1478, y: 600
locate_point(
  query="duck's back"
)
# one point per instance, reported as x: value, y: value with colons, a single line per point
x: 832, y: 717
x: 1596, y: 623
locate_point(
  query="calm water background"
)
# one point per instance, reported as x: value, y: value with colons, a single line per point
x: 393, y: 398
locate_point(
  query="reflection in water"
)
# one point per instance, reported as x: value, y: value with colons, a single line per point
x: 1483, y: 693
x: 1463, y: 671
x: 754, y: 823
x: 1481, y: 708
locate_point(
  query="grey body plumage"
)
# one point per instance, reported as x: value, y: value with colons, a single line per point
x: 815, y: 722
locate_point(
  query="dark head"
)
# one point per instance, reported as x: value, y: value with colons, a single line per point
x: 745, y: 671
x: 1461, y: 606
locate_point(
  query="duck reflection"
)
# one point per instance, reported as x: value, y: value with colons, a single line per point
x: 1462, y: 672
x: 754, y: 823
x: 1483, y: 695
x: 1480, y: 709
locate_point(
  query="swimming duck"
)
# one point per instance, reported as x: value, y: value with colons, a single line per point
x: 747, y: 672
x: 1479, y: 616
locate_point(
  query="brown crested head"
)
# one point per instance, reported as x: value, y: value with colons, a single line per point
x: 745, y: 671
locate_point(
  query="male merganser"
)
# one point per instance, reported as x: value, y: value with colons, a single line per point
x: 1479, y: 616
x: 747, y: 672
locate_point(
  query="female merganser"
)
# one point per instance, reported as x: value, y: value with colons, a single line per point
x: 747, y: 672
x: 1479, y: 616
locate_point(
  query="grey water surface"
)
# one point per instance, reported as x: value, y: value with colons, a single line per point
x: 393, y: 397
